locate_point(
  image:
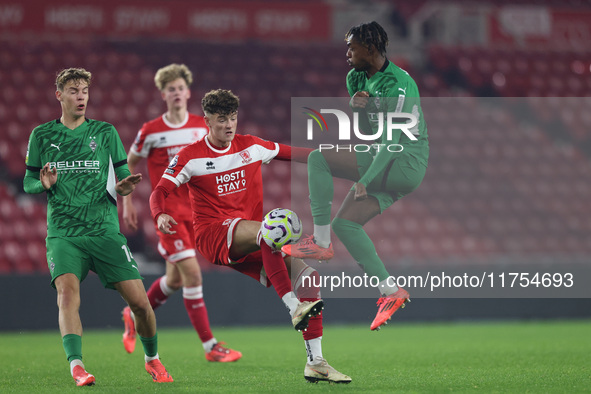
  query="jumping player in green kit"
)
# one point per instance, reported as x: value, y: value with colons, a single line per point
x: 382, y: 176
x: 77, y: 162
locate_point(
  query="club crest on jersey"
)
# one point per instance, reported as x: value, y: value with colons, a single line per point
x: 93, y: 143
x: 245, y: 157
x: 209, y: 165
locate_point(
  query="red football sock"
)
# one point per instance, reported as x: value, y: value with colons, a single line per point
x: 307, y: 290
x: 276, y: 270
x: 314, y: 326
x: 193, y: 299
x: 156, y: 295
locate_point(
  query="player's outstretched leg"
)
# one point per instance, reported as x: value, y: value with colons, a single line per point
x: 307, y: 248
x: 364, y: 252
x: 387, y: 306
x: 129, y: 337
x: 306, y: 289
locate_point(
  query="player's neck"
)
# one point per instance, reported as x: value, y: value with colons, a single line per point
x: 377, y: 65
x: 217, y: 143
x: 72, y: 123
x: 176, y: 116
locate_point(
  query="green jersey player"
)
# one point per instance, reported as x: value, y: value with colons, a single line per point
x: 392, y: 168
x: 77, y: 162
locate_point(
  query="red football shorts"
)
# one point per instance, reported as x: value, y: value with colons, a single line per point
x: 179, y: 246
x: 213, y: 241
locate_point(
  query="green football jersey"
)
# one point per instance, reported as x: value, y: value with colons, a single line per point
x: 390, y: 90
x: 88, y: 159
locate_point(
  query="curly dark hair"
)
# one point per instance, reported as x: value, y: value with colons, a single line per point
x: 220, y: 102
x: 370, y: 35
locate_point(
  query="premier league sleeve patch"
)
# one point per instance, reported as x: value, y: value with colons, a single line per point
x: 170, y: 170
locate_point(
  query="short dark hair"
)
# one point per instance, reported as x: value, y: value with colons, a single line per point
x: 72, y: 74
x: 370, y: 35
x: 220, y: 102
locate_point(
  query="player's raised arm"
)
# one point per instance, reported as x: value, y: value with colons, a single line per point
x: 294, y: 153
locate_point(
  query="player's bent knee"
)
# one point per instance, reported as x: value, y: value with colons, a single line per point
x: 306, y: 284
x: 174, y: 284
x: 338, y: 226
x: 316, y: 159
x: 68, y: 298
x: 140, y: 306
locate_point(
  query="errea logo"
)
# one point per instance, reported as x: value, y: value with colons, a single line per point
x: 209, y: 165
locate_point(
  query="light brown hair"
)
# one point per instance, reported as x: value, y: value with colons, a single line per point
x: 172, y: 72
x: 72, y: 74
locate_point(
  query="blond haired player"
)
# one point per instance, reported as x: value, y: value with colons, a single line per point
x: 159, y: 140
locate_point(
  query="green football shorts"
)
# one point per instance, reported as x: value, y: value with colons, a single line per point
x: 400, y: 177
x: 108, y: 256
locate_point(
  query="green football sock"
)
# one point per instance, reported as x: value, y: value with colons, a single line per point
x: 150, y: 345
x: 320, y: 184
x: 360, y: 246
x: 73, y: 346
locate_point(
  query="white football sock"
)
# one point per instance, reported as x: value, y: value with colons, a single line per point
x: 314, y: 350
x: 75, y: 362
x: 193, y: 293
x: 322, y: 235
x: 291, y: 302
x: 387, y: 287
x: 208, y: 345
x: 148, y: 359
x: 164, y: 287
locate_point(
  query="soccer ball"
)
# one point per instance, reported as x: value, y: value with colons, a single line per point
x: 281, y: 227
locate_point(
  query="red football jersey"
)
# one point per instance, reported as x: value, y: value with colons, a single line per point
x: 224, y: 182
x: 159, y: 141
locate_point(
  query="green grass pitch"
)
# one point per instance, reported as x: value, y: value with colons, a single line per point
x: 536, y: 357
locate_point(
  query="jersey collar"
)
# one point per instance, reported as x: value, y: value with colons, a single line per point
x: 213, y: 148
x: 175, y: 126
x: 381, y: 70
x: 58, y: 121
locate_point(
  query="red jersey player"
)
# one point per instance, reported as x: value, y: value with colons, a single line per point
x: 159, y: 141
x: 223, y: 173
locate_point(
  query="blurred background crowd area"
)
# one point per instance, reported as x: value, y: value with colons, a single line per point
x: 505, y: 88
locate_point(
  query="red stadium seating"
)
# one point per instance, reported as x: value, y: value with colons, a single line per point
x: 494, y: 187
